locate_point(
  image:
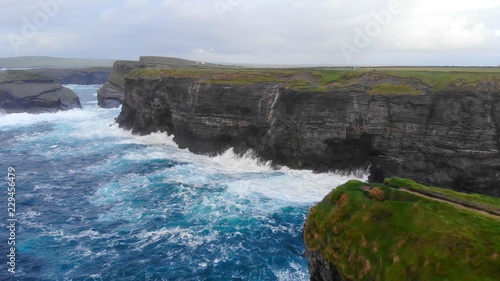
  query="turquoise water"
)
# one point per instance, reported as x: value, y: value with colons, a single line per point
x: 97, y: 203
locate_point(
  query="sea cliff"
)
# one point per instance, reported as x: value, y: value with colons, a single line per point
x: 442, y: 132
x: 112, y: 93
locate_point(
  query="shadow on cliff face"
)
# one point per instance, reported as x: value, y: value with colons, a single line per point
x: 350, y: 153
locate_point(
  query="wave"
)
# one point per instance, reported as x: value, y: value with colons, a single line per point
x: 28, y: 119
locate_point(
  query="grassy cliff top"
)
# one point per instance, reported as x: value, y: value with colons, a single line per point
x: 379, y: 80
x: 396, y: 231
x: 22, y: 75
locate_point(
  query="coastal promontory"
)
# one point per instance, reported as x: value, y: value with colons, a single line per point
x: 401, y: 230
x: 24, y: 91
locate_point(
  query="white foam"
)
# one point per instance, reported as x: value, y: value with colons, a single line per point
x: 291, y: 186
x: 246, y: 163
x: 294, y: 273
x: 175, y: 236
x: 89, y: 233
x: 27, y: 119
x: 30, y: 214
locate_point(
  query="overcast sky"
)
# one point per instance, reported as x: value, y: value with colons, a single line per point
x: 327, y: 32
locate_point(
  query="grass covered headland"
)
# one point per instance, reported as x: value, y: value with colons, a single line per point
x: 402, y: 230
x: 384, y: 80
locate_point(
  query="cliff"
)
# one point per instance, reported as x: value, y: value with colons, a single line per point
x: 391, y: 231
x: 112, y: 93
x: 438, y: 128
x: 23, y: 91
x: 80, y: 76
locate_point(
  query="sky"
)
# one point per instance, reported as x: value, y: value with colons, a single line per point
x: 303, y: 32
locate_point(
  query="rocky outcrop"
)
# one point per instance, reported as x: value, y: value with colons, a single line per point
x: 448, y: 138
x: 112, y: 93
x: 80, y: 76
x: 22, y: 91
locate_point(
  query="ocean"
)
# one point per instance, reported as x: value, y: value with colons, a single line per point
x: 94, y: 202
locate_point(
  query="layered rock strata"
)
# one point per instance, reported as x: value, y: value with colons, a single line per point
x: 448, y: 138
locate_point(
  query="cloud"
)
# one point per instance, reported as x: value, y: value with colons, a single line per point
x: 445, y: 25
x: 260, y: 31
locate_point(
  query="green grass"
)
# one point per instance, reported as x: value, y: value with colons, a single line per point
x: 328, y: 76
x: 478, y: 198
x: 405, y: 237
x: 388, y: 89
x: 322, y: 79
x: 439, y: 80
x: 245, y: 80
x: 20, y: 75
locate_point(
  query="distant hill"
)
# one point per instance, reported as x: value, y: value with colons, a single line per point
x: 35, y: 62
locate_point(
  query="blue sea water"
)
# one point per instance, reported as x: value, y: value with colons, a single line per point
x: 95, y: 202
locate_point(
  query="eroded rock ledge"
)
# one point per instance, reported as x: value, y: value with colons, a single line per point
x: 447, y: 137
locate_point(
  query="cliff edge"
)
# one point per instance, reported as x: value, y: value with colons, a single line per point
x: 23, y: 91
x: 439, y: 128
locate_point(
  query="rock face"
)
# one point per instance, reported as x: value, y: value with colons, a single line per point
x: 112, y: 93
x: 22, y: 91
x: 449, y: 138
x: 80, y: 76
x: 320, y: 268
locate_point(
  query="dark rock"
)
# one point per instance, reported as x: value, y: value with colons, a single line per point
x: 22, y: 91
x: 320, y: 268
x: 110, y: 95
x: 449, y: 138
x: 80, y: 76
